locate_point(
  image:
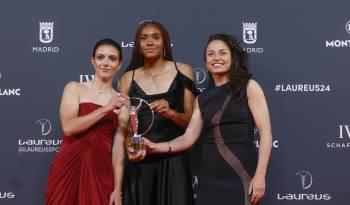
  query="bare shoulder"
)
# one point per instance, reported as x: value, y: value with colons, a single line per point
x: 254, y: 89
x: 124, y: 82
x: 73, y: 86
x: 126, y: 78
x: 185, y: 69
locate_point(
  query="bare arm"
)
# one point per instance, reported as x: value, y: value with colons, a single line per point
x: 184, y: 141
x: 71, y: 122
x: 181, y: 119
x: 258, y: 106
x: 124, y: 83
x: 118, y: 149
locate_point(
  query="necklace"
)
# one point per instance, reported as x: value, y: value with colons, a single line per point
x: 97, y: 91
x: 155, y: 75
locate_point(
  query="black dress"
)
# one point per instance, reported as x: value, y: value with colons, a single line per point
x: 160, y: 179
x: 229, y: 155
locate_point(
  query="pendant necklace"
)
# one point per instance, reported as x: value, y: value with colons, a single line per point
x: 155, y: 75
x: 97, y: 91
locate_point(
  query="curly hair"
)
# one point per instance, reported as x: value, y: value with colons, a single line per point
x: 238, y: 73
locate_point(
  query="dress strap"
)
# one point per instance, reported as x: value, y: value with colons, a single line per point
x: 187, y: 81
x: 131, y: 83
x: 176, y: 66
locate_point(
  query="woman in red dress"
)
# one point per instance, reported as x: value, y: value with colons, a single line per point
x: 82, y: 171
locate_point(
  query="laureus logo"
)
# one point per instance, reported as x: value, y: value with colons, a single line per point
x: 200, y: 75
x: 45, y: 126
x: 306, y: 179
x: 40, y: 144
x: 306, y: 183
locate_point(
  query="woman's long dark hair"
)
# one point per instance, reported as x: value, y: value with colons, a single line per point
x: 238, y: 74
x: 137, y: 57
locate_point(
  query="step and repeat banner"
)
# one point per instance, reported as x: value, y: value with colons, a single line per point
x: 299, y: 53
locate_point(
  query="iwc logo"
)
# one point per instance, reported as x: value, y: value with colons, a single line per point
x: 343, y: 142
x: 85, y: 78
x: 250, y: 36
x: 305, y: 182
x: 46, y: 36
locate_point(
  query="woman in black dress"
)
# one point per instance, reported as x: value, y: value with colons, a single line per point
x: 233, y: 172
x: 153, y: 75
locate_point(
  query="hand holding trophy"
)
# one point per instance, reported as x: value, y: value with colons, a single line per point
x: 138, y: 110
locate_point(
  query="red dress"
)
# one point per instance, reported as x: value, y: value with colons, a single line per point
x: 82, y: 171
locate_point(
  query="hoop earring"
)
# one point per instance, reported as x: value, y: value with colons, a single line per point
x: 164, y: 53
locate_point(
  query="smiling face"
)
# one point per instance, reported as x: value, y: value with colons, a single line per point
x: 218, y: 58
x: 106, y: 61
x: 151, y: 42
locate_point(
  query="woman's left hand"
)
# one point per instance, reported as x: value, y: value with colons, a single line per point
x: 162, y: 107
x: 135, y: 156
x: 115, y: 198
x: 257, y: 188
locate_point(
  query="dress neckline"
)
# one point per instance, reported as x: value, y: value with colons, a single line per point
x: 81, y: 103
x: 222, y: 85
x: 156, y: 94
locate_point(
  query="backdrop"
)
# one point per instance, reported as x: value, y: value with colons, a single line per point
x: 299, y: 53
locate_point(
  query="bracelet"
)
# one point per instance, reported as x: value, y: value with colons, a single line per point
x: 169, y: 150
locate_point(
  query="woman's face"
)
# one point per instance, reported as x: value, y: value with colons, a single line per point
x: 218, y: 58
x: 106, y: 61
x: 151, y: 42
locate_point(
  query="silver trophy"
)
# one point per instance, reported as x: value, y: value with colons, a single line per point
x: 136, y: 141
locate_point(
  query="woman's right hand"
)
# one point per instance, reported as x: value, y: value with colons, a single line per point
x: 136, y: 156
x: 116, y: 102
x: 148, y: 145
x: 115, y: 198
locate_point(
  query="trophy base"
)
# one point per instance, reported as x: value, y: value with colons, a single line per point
x: 136, y: 143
